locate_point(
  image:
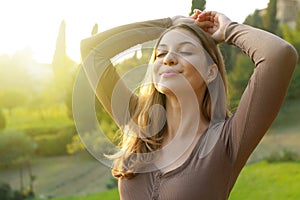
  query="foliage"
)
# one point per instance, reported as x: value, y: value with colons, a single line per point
x: 294, y: 88
x: 291, y: 35
x: 269, y: 19
x: 255, y: 20
x: 229, y: 54
x: 7, y: 193
x: 55, y: 143
x: 282, y: 155
x: 61, y: 85
x: 238, y: 79
x: 15, y: 73
x: 111, y: 183
x: 15, y: 146
x: 52, y: 130
x: 2, y: 120
x: 95, y: 141
x: 198, y: 4
x: 12, y: 97
x: 95, y: 29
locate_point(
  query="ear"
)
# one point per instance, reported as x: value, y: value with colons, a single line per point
x: 212, y: 73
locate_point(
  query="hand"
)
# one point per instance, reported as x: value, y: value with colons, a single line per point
x: 182, y: 19
x: 213, y: 23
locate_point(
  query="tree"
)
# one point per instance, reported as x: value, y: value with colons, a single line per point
x: 238, y: 79
x: 298, y: 22
x: 15, y: 147
x: 95, y: 29
x: 2, y: 120
x: 255, y: 20
x: 269, y: 19
x: 62, y: 66
x: 197, y: 4
x: 293, y: 37
x: 12, y: 97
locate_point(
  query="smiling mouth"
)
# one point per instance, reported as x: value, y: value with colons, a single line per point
x: 169, y: 73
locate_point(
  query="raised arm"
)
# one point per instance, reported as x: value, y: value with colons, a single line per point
x: 275, y: 61
x: 96, y: 53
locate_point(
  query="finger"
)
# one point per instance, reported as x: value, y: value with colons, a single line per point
x: 197, y: 11
x: 195, y: 14
x: 205, y: 17
x: 204, y: 24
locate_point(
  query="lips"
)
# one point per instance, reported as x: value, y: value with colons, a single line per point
x: 169, y: 73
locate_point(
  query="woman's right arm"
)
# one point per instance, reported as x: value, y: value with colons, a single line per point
x: 96, y: 53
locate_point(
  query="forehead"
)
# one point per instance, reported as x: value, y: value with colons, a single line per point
x: 179, y: 36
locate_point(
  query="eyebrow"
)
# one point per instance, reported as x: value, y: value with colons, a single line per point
x: 181, y: 43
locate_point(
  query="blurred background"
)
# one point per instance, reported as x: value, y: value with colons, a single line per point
x: 41, y: 153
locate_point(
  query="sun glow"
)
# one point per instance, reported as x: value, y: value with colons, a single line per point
x: 35, y: 23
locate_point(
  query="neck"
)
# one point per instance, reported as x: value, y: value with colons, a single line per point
x: 184, y: 115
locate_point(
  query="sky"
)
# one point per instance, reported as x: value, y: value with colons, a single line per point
x: 34, y: 24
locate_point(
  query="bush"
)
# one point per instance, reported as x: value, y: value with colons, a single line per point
x: 111, y: 183
x: 15, y: 146
x: 37, y: 132
x: 7, y: 193
x: 54, y: 144
x: 94, y: 141
x: 2, y: 120
x: 282, y: 155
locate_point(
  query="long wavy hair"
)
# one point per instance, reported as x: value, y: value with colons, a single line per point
x: 145, y: 133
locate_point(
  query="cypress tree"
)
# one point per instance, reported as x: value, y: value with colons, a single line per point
x: 197, y: 4
x: 270, y: 20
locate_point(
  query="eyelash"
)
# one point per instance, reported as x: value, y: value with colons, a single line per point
x: 180, y: 52
x: 160, y: 54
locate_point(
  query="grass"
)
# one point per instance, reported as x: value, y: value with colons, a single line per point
x: 23, y: 118
x: 261, y: 180
x: 267, y: 181
x: 284, y: 133
x: 107, y: 195
x: 62, y: 175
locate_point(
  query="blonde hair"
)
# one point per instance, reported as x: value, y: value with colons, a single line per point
x: 139, y: 142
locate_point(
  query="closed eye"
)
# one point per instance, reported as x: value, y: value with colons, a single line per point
x: 161, y: 54
x: 185, y: 53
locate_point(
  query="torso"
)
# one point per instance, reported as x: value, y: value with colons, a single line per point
x: 203, y: 174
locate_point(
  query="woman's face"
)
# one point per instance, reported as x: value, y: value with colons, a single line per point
x: 180, y: 61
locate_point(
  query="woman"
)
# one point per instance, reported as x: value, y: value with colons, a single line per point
x: 179, y: 141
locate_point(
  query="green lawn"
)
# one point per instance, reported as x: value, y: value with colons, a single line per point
x: 266, y: 181
x: 276, y: 181
x: 107, y: 195
x: 24, y: 118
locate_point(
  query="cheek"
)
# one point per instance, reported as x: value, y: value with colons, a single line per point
x: 155, y: 73
x: 195, y: 77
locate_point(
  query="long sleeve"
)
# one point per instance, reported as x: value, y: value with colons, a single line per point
x: 96, y: 53
x: 274, y: 60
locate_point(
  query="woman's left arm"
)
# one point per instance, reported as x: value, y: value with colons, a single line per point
x: 275, y: 61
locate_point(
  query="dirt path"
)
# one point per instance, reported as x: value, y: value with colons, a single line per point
x: 62, y: 176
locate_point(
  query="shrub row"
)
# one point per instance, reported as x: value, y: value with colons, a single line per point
x: 55, y: 143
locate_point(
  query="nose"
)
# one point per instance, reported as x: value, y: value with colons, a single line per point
x: 170, y: 59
